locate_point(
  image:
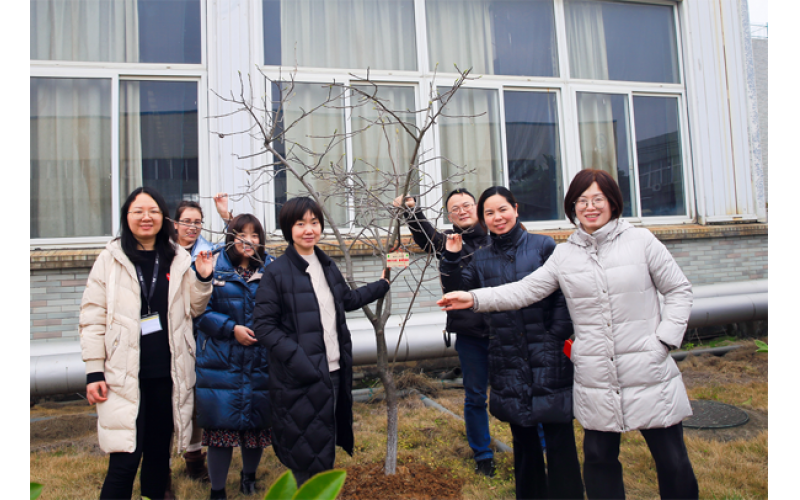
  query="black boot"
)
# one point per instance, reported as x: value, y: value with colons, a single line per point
x: 218, y: 495
x: 248, y: 486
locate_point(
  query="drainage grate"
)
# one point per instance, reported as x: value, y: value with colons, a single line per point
x: 714, y: 415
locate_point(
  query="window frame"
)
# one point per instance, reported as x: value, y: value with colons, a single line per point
x: 117, y: 72
x: 565, y: 87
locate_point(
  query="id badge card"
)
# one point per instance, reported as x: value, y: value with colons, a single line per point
x: 150, y: 324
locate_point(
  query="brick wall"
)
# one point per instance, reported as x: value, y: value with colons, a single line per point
x: 707, y: 255
x: 55, y: 302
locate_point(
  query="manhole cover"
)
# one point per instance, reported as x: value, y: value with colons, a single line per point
x: 714, y: 415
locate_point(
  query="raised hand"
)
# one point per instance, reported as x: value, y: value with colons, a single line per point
x: 221, y: 202
x: 410, y: 203
x: 204, y: 263
x: 454, y: 243
x: 455, y: 300
x: 244, y: 335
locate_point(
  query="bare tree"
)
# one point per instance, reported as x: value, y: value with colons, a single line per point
x: 355, y: 196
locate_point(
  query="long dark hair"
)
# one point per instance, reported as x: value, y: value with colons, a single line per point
x: 235, y: 227
x: 494, y: 190
x: 164, y: 238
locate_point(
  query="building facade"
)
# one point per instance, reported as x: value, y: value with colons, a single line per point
x: 661, y: 94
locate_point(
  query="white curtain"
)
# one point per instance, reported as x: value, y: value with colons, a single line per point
x: 70, y: 157
x: 596, y: 128
x: 130, y: 138
x: 471, y: 141
x: 314, y: 134
x: 378, y: 34
x: 382, y: 153
x: 85, y: 30
x: 586, y: 40
x: 460, y: 32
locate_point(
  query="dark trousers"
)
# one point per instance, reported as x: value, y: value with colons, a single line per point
x: 153, y: 435
x: 473, y: 354
x: 562, y: 477
x: 603, y: 471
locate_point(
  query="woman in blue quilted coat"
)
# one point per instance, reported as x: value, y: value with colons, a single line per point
x: 232, y: 368
x: 300, y: 317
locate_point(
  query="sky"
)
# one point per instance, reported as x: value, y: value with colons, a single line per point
x: 758, y: 11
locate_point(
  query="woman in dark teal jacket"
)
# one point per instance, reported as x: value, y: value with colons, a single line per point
x: 232, y: 369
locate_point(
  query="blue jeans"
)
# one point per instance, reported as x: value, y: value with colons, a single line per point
x: 473, y: 353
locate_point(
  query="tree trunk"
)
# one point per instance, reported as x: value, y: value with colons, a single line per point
x: 387, y: 378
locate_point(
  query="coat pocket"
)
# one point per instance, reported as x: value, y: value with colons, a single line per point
x: 116, y: 365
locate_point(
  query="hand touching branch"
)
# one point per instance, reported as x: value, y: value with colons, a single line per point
x: 454, y: 243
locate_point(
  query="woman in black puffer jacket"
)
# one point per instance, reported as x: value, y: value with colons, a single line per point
x: 530, y: 375
x: 300, y: 318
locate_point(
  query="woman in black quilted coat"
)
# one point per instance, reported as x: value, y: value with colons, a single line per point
x: 300, y: 318
x: 530, y: 375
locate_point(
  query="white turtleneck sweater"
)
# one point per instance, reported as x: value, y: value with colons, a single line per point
x: 327, y: 309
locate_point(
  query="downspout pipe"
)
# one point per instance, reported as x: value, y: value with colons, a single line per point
x: 57, y: 367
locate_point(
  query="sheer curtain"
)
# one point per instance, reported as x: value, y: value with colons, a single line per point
x: 130, y: 138
x: 470, y: 138
x: 314, y: 134
x: 348, y: 34
x: 588, y: 60
x: 70, y: 157
x: 596, y: 128
x: 85, y: 30
x: 448, y: 21
x: 382, y: 153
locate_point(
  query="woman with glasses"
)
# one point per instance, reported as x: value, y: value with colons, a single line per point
x: 137, y: 343
x: 611, y: 274
x: 233, y: 405
x: 530, y: 376
x: 188, y: 223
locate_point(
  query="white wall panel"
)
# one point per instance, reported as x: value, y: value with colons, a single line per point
x: 716, y: 90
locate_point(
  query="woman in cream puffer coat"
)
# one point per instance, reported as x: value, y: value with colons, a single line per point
x: 611, y: 274
x: 142, y: 379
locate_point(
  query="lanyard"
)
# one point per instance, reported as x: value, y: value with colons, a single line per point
x: 148, y: 294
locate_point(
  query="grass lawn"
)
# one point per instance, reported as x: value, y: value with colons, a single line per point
x: 729, y: 464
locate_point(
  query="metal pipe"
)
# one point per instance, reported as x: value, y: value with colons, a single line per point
x: 57, y: 367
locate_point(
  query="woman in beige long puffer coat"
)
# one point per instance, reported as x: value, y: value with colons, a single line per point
x: 611, y: 274
x: 137, y: 343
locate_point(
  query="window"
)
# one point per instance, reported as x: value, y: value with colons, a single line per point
x: 493, y: 37
x: 70, y: 157
x: 158, y: 138
x: 147, y: 31
x: 621, y: 41
x: 377, y: 34
x: 117, y: 115
x: 534, y: 155
x: 558, y: 85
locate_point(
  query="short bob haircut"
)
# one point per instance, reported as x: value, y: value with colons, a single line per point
x: 455, y: 192
x: 488, y: 193
x: 235, y: 227
x: 581, y: 183
x: 294, y: 210
x: 187, y: 204
x: 165, y: 236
